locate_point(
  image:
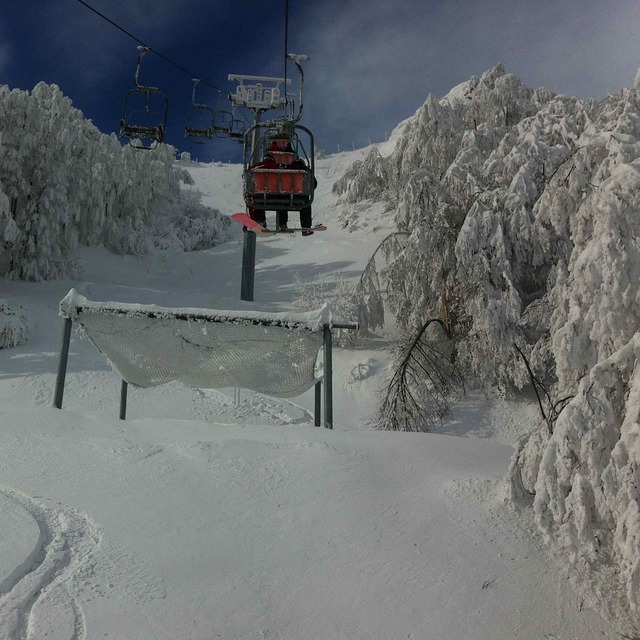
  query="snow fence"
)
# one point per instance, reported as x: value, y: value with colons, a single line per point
x: 271, y: 353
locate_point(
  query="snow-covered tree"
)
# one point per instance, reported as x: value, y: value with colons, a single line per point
x: 13, y: 329
x: 584, y: 479
x: 522, y: 208
x: 63, y: 183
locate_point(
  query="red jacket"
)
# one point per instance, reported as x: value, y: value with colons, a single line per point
x: 266, y: 163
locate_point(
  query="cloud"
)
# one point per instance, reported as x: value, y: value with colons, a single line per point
x: 376, y: 61
x: 373, y: 62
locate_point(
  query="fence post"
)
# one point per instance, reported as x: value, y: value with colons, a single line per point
x: 62, y: 363
x: 328, y: 378
x: 123, y: 400
x: 318, y: 404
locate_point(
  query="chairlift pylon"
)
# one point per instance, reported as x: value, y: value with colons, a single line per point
x: 145, y: 112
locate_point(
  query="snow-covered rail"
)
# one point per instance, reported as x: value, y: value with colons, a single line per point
x: 273, y: 353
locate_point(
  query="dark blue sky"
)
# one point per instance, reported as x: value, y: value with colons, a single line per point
x: 373, y: 62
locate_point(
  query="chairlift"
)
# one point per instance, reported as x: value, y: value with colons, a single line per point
x: 293, y: 113
x: 145, y: 113
x: 226, y: 125
x: 200, y: 119
x: 289, y: 185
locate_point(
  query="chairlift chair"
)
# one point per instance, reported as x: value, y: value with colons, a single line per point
x: 226, y: 125
x: 285, y: 188
x: 237, y: 129
x: 199, y: 115
x: 145, y: 113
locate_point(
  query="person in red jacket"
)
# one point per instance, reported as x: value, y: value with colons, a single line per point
x: 280, y: 144
x: 305, y: 213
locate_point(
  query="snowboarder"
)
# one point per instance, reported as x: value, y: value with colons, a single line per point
x: 305, y: 213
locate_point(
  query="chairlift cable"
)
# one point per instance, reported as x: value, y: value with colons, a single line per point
x: 286, y: 42
x: 160, y: 55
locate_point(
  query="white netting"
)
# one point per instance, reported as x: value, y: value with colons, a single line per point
x: 147, y: 345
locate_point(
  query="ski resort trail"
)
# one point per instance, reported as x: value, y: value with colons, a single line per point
x: 207, y: 515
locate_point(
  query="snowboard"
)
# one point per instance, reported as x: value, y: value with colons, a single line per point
x: 256, y: 227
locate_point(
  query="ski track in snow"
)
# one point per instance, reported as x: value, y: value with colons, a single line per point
x: 39, y: 593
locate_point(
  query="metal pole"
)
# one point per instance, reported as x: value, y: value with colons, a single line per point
x: 62, y: 363
x: 257, y: 116
x: 123, y: 400
x: 318, y: 404
x: 248, y: 266
x: 286, y: 42
x: 328, y: 378
x: 249, y: 245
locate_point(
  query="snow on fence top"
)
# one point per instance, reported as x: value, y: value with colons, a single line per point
x: 272, y: 353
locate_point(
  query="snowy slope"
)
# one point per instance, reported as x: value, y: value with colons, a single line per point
x: 186, y: 529
x: 205, y: 515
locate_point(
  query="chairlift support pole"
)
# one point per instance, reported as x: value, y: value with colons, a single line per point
x: 123, y: 399
x: 248, y: 266
x: 249, y: 244
x: 259, y: 98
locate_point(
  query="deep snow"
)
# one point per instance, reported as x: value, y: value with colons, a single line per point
x: 207, y: 515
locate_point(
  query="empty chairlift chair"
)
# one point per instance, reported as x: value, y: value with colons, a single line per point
x: 199, y: 119
x: 144, y: 119
x: 226, y: 125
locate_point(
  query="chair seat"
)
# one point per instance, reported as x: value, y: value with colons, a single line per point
x: 277, y: 181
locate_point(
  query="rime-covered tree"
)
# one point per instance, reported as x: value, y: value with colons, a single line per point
x: 63, y: 183
x: 66, y: 183
x: 523, y: 207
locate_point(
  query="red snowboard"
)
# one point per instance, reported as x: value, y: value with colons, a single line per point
x: 256, y: 227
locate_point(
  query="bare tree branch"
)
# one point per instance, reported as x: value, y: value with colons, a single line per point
x: 424, y: 377
x: 554, y: 408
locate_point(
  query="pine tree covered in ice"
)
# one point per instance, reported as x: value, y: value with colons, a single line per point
x: 63, y: 183
x: 523, y: 211
x: 13, y: 329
